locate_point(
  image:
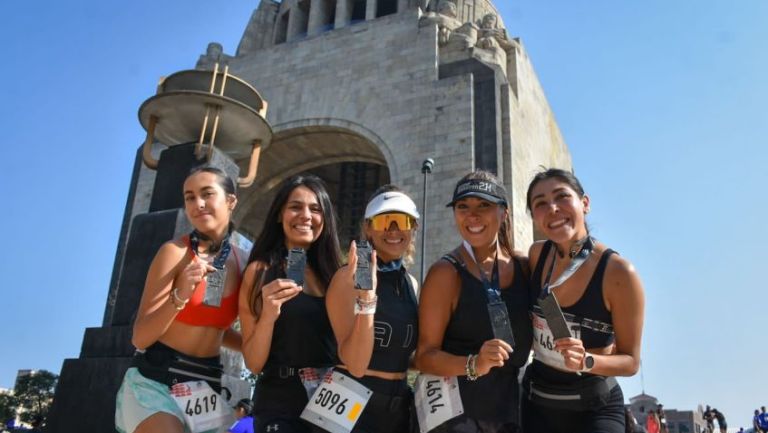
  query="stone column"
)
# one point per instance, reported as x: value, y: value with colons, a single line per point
x: 317, y: 17
x: 343, y: 13
x: 297, y: 23
x: 370, y: 10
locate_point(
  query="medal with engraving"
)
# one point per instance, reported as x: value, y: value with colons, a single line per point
x: 497, y: 309
x: 337, y: 403
x: 437, y: 400
x: 214, y: 287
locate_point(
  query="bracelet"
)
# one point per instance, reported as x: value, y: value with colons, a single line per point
x: 365, y: 307
x: 177, y: 302
x: 471, y: 368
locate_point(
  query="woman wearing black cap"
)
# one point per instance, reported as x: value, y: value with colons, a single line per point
x: 376, y: 329
x: 469, y: 300
x: 597, y: 298
x: 244, y: 423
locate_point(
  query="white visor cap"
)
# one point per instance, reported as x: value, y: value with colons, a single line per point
x: 392, y: 201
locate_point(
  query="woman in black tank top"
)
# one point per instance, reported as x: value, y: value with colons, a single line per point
x: 570, y: 386
x: 376, y: 329
x: 480, y: 280
x: 286, y: 333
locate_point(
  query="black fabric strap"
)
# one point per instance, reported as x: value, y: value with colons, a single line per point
x: 574, y: 266
x: 223, y: 252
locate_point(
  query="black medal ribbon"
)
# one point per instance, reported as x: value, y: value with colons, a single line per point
x: 214, y: 288
x: 497, y: 309
x: 547, y: 301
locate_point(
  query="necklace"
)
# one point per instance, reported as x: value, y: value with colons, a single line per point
x: 575, y: 248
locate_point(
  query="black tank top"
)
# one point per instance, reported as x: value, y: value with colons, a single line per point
x: 302, y: 336
x: 493, y: 397
x: 395, y: 322
x: 593, y: 320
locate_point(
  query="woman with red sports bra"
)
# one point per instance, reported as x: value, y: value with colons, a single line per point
x: 187, y: 309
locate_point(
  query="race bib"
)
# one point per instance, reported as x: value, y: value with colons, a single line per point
x: 203, y: 408
x: 544, y: 342
x: 337, y: 403
x: 437, y: 400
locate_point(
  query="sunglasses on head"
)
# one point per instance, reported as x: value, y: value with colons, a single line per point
x: 384, y: 221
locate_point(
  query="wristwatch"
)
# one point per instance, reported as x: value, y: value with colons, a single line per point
x: 589, y: 362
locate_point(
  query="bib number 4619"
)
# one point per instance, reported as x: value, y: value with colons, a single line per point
x: 201, y: 405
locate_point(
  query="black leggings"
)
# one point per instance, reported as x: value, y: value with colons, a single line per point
x: 464, y: 424
x: 608, y: 418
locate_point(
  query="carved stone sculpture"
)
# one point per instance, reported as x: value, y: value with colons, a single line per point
x: 213, y: 54
x: 490, y: 36
x: 446, y: 21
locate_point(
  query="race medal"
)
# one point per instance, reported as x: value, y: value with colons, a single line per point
x: 544, y: 342
x: 554, y: 315
x: 204, y: 409
x: 437, y: 400
x: 337, y: 403
x: 502, y: 328
x: 214, y: 287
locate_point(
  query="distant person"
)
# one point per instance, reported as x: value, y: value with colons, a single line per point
x: 709, y: 418
x: 741, y: 430
x: 662, y: 419
x: 720, y: 420
x: 756, y: 422
x: 763, y: 419
x: 243, y: 413
x: 178, y: 333
x: 630, y: 423
x: 652, y: 422
x: 570, y: 385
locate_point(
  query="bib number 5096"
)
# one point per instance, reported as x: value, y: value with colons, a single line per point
x: 337, y: 404
x: 330, y: 400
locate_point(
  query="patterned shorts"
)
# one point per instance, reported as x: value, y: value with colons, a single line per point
x: 139, y: 398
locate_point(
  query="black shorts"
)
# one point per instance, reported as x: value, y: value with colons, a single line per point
x: 465, y: 424
x: 603, y: 412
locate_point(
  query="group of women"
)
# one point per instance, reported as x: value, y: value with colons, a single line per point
x: 333, y: 355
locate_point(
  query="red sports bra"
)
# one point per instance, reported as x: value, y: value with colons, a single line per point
x: 198, y: 314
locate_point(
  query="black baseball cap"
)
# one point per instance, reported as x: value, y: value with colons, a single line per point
x: 245, y: 404
x: 483, y: 189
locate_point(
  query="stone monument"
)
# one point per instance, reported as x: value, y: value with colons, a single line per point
x: 367, y: 89
x: 361, y: 92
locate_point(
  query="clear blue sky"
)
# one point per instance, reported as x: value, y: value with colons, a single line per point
x: 662, y: 104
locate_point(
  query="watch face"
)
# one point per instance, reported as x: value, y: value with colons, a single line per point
x: 589, y: 361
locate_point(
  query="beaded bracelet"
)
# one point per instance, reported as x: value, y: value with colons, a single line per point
x: 365, y: 307
x: 177, y: 302
x: 471, y: 367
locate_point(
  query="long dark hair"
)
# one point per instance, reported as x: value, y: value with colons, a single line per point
x: 324, y: 255
x: 505, y: 230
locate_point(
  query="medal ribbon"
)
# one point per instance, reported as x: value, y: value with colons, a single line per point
x: 574, y: 266
x: 221, y: 258
x: 491, y: 287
